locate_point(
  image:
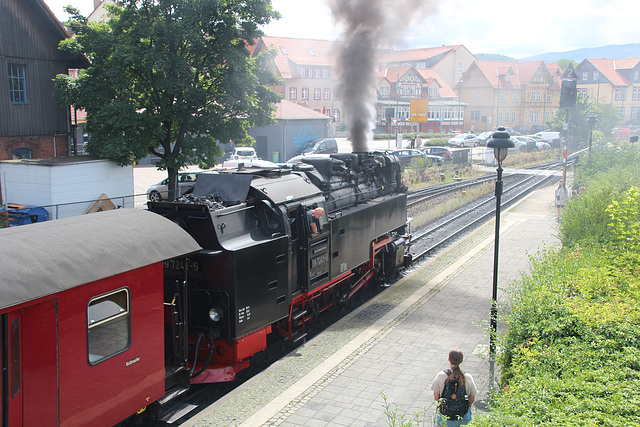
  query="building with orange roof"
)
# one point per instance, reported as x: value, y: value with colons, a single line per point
x: 399, y: 85
x: 449, y: 62
x: 519, y: 95
x: 612, y: 81
x: 306, y: 67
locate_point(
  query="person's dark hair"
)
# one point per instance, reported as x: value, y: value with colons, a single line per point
x: 455, y: 359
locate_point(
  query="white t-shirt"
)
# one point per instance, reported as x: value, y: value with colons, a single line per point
x: 438, y: 384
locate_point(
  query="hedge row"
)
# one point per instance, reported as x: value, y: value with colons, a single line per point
x: 571, y: 353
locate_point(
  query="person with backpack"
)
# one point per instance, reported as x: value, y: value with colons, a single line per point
x: 454, y: 391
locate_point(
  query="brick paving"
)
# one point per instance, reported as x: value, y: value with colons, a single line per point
x: 394, y: 345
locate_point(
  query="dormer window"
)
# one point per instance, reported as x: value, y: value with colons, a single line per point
x: 311, y: 52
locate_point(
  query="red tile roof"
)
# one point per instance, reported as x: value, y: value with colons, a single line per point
x: 291, y: 53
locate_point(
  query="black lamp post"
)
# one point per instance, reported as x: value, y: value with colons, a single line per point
x: 500, y: 141
x: 591, y: 121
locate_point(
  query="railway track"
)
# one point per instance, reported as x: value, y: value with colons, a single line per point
x: 446, y: 229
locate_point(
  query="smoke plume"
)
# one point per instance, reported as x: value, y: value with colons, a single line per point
x: 368, y: 25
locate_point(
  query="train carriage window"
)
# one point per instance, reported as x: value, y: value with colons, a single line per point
x: 108, y: 325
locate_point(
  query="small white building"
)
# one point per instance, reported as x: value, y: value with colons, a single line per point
x: 65, y: 186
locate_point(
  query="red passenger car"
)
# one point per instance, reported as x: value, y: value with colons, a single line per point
x: 81, y: 309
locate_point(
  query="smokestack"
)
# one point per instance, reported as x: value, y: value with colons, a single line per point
x: 366, y: 23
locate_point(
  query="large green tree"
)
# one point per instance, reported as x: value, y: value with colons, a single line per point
x: 606, y: 114
x: 172, y: 78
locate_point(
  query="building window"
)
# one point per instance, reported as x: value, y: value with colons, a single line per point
x: 17, y: 84
x: 595, y: 75
x: 21, y: 153
x: 325, y: 73
x: 549, y: 96
x: 500, y: 117
x: 383, y: 90
x: 634, y: 94
x: 310, y: 73
x: 477, y: 78
x: 318, y: 73
x: 336, y: 114
x: 305, y: 93
x: 327, y: 94
x: 534, y: 116
x: 624, y: 94
x: 475, y: 115
x: 293, y: 93
x: 585, y: 76
x: 514, y: 117
x: 501, y: 96
x: 303, y: 72
x: 459, y: 67
x: 433, y: 92
x: 316, y: 93
x: 617, y: 94
x: 476, y: 95
x: 636, y: 74
x: 536, y: 96
x: 108, y: 325
x: 515, y: 96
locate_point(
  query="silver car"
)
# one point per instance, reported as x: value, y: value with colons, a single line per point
x: 160, y: 191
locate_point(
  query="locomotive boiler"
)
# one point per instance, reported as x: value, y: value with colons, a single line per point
x: 268, y: 266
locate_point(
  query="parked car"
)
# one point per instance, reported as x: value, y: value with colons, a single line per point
x: 442, y: 152
x: 243, y: 154
x: 160, y: 191
x: 408, y: 155
x: 464, y: 140
x: 551, y: 137
x: 483, y: 138
x: 523, y: 143
x: 540, y: 142
x: 320, y: 146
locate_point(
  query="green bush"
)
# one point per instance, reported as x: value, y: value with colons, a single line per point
x: 571, y: 353
x: 607, y: 176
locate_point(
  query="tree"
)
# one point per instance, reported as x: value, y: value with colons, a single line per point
x: 172, y: 78
x: 564, y: 63
x: 607, y: 118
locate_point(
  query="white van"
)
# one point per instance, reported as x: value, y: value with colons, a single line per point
x: 552, y: 137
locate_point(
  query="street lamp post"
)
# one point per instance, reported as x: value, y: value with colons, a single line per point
x: 500, y: 142
x: 591, y: 121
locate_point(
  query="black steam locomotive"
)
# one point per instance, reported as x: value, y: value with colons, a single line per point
x: 106, y: 315
x: 268, y: 265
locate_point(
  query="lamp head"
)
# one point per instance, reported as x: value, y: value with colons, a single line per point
x: 592, y: 120
x: 500, y: 141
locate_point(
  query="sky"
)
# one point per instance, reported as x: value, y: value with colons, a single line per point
x: 513, y: 28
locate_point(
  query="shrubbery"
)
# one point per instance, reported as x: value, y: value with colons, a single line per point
x: 571, y: 353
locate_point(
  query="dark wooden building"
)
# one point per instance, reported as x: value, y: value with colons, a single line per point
x: 32, y: 123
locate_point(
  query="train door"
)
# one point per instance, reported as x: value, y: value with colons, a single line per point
x: 32, y: 381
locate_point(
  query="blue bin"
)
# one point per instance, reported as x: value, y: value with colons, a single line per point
x: 25, y: 214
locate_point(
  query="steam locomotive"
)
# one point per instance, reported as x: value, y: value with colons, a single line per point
x: 105, y: 315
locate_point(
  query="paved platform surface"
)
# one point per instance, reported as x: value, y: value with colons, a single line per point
x: 395, y: 345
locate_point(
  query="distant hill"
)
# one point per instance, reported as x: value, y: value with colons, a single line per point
x: 614, y: 51
x: 494, y: 57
